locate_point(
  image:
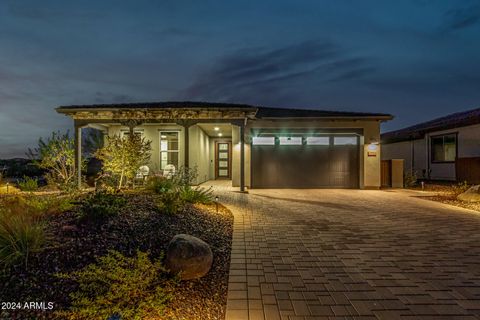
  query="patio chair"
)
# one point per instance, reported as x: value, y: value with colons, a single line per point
x: 142, y: 174
x: 169, y: 171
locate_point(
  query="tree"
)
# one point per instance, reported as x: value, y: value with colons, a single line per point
x: 123, y: 156
x: 56, y: 154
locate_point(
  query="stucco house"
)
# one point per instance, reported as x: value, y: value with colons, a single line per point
x: 446, y: 148
x: 254, y: 147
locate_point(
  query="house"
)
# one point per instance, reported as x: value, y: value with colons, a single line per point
x: 255, y: 147
x: 446, y: 148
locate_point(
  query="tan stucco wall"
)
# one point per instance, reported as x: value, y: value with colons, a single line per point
x: 199, y: 147
x: 152, y: 133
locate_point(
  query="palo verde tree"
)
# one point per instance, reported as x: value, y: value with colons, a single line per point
x: 123, y: 156
x: 56, y: 154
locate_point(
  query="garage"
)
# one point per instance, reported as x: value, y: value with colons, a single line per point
x: 305, y: 161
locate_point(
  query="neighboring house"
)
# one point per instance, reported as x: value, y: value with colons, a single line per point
x: 447, y: 148
x: 255, y: 147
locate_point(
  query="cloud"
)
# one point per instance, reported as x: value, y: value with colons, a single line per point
x: 461, y: 18
x: 253, y: 70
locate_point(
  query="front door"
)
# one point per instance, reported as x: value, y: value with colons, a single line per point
x: 223, y: 160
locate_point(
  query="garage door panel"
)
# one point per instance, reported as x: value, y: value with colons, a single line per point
x: 305, y: 166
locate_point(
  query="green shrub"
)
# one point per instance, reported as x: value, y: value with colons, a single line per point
x: 460, y: 188
x: 170, y: 202
x: 160, y: 184
x: 100, y: 206
x: 21, y: 233
x: 124, y: 287
x: 196, y: 195
x: 410, y: 179
x: 46, y: 205
x: 28, y: 184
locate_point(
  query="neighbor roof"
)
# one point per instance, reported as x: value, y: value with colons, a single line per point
x: 418, y: 131
x: 261, y: 111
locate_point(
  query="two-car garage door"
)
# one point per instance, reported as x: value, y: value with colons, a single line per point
x: 327, y: 161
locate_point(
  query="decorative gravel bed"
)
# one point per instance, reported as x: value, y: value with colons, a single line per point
x: 141, y: 226
x: 452, y: 200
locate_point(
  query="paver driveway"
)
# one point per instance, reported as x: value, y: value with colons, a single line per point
x: 315, y: 254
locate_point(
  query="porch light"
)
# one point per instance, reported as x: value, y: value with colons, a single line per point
x: 216, y: 128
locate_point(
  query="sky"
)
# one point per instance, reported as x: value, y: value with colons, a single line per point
x: 415, y: 59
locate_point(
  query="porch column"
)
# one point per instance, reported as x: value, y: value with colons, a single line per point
x: 186, y: 124
x: 242, y: 157
x: 78, y: 154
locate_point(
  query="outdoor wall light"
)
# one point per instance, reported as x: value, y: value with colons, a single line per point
x: 216, y: 128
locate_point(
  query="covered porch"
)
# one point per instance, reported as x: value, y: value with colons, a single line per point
x: 212, y: 143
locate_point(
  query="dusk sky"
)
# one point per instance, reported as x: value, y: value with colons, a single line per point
x: 415, y: 59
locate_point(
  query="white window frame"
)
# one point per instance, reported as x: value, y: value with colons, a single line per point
x: 160, y: 132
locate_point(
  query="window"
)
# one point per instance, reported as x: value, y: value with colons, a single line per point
x: 263, y: 141
x: 168, y: 149
x: 318, y: 141
x: 290, y: 141
x: 341, y: 141
x: 444, y: 148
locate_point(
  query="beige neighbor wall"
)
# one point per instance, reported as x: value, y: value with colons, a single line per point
x: 199, y: 155
x: 369, y: 165
x: 152, y: 133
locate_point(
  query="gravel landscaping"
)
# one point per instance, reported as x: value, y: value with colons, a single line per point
x: 140, y: 225
x: 447, y: 193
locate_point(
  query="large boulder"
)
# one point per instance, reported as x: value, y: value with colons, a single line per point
x: 188, y: 255
x: 471, y: 195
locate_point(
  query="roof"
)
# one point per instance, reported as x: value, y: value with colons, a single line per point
x: 418, y: 131
x: 261, y: 111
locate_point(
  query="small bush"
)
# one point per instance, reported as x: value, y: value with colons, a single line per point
x: 410, y: 179
x: 21, y: 233
x: 47, y: 205
x: 100, y: 206
x: 28, y: 184
x: 196, y: 195
x: 170, y: 202
x: 460, y: 188
x: 121, y: 287
x: 160, y: 184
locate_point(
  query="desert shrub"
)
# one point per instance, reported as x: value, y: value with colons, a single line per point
x: 28, y: 184
x: 120, y: 287
x: 196, y: 195
x: 56, y: 154
x: 100, y: 206
x: 160, y: 184
x: 21, y: 233
x: 170, y: 202
x: 410, y: 179
x: 47, y: 205
x: 460, y: 188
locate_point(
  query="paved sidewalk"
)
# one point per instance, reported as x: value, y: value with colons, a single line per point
x: 351, y: 254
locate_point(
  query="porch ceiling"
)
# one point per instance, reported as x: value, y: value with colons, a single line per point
x: 224, y: 128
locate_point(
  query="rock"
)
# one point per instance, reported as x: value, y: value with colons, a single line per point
x: 471, y: 195
x: 190, y: 256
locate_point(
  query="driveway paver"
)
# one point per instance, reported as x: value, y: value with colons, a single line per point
x: 339, y: 254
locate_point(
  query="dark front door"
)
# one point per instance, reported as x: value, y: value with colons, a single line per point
x: 323, y: 162
x: 223, y: 161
